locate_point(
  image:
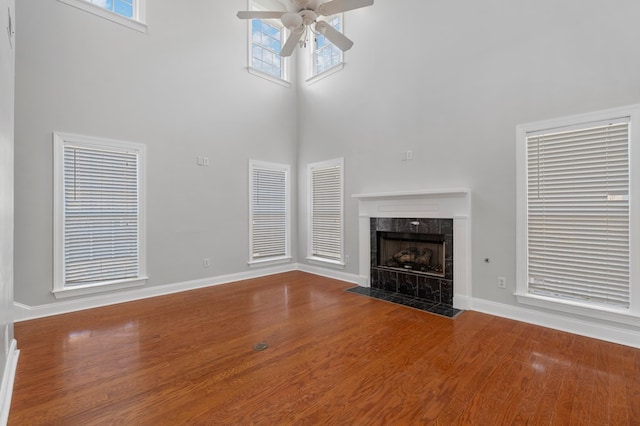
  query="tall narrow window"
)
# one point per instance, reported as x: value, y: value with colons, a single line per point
x: 266, y: 38
x: 266, y: 43
x: 326, y: 211
x: 99, y: 222
x: 577, y: 216
x: 326, y: 55
x: 269, y: 211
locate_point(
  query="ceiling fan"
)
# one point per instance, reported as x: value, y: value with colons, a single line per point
x: 302, y: 16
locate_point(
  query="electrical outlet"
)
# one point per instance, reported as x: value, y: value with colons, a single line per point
x: 407, y: 155
x: 206, y: 263
x: 502, y: 282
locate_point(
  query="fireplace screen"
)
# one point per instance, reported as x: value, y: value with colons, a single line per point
x: 420, y: 253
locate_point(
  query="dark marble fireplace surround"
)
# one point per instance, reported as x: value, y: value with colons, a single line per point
x: 431, y: 289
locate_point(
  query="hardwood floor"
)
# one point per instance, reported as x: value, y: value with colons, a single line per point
x: 333, y: 358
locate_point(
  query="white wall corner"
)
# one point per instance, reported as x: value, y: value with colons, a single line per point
x: 6, y: 389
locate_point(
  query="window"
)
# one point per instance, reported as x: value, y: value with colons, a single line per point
x: 266, y: 43
x: 266, y: 38
x: 325, y: 55
x: 326, y: 211
x: 576, y: 211
x: 269, y: 212
x: 120, y: 7
x: 130, y: 13
x: 99, y: 215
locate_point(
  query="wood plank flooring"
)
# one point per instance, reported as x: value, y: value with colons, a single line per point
x: 334, y: 358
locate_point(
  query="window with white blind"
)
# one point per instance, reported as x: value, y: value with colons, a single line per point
x: 576, y: 212
x: 269, y: 212
x: 130, y: 13
x: 326, y: 225
x: 99, y: 215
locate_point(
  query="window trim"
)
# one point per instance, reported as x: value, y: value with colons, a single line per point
x: 314, y: 77
x: 268, y: 261
x: 137, y: 23
x: 340, y: 263
x: 285, y: 80
x: 60, y: 140
x: 625, y: 316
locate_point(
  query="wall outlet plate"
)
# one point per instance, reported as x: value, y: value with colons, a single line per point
x: 502, y: 282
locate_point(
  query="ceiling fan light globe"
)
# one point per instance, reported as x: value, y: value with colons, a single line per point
x: 291, y: 20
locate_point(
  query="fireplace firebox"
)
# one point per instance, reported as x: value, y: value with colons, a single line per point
x: 413, y: 257
x: 412, y: 252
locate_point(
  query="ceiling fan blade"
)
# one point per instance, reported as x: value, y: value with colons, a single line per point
x: 254, y: 14
x: 292, y: 41
x: 334, y: 36
x: 339, y: 6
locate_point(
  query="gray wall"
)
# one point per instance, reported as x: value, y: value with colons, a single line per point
x: 183, y: 90
x: 6, y: 185
x: 450, y: 81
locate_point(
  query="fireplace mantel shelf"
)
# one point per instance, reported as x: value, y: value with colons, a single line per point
x: 455, y: 192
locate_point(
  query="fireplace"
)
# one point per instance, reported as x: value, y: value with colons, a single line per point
x: 444, y: 212
x: 413, y: 257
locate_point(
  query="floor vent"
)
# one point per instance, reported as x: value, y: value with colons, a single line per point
x: 259, y: 347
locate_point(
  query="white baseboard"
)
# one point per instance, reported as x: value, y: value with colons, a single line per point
x: 330, y: 273
x: 586, y: 328
x: 461, y: 302
x: 6, y: 389
x: 24, y: 312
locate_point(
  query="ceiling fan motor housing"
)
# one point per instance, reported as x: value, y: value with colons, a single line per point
x: 298, y: 5
x: 308, y: 16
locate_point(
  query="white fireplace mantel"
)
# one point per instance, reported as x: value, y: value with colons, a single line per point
x: 450, y: 203
x: 452, y: 192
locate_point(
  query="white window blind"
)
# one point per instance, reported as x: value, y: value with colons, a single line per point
x: 578, y: 213
x: 326, y: 211
x: 269, y: 210
x: 100, y: 215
